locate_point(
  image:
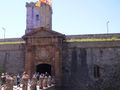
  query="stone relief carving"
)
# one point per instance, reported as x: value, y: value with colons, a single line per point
x: 43, y: 53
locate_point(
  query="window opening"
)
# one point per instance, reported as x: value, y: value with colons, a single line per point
x: 96, y: 71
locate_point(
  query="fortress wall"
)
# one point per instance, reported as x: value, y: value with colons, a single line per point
x: 79, y: 60
x: 12, y: 58
x: 87, y: 36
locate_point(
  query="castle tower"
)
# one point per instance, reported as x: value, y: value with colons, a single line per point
x: 39, y: 14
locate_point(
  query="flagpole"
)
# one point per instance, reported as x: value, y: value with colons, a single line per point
x: 4, y: 32
x: 107, y: 26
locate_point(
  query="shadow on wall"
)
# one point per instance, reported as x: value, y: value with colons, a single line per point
x: 79, y: 69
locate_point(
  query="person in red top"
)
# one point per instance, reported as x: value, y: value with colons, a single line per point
x: 25, y: 75
x: 25, y: 79
x: 3, y: 78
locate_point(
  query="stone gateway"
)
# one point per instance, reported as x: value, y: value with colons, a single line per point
x: 43, y: 50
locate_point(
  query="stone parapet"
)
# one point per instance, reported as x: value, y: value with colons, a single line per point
x: 31, y: 4
x: 94, y: 44
x: 11, y: 40
x: 12, y: 47
x: 88, y: 36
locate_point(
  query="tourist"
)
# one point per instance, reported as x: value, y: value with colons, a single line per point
x: 38, y: 76
x: 33, y: 83
x: 25, y: 79
x: 49, y: 81
x: 18, y: 79
x: 46, y: 74
x: 41, y: 81
x: 44, y: 83
x: 3, y: 78
x: 25, y: 75
x: 9, y: 83
x: 6, y: 75
x: 15, y: 79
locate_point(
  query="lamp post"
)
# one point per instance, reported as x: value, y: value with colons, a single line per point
x: 107, y: 26
x: 4, y: 31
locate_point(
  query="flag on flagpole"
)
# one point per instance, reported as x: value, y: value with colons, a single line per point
x: 50, y: 2
x: 37, y: 4
x: 43, y: 1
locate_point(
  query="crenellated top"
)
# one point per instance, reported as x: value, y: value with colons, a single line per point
x: 38, y: 4
x: 31, y: 4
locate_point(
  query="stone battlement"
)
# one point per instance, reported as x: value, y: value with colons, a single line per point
x: 12, y: 47
x: 11, y: 40
x: 89, y: 36
x: 99, y: 44
x: 31, y: 4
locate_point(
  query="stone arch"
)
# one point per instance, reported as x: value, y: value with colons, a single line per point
x: 43, y: 67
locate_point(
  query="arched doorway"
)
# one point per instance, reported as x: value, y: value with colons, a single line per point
x: 42, y: 68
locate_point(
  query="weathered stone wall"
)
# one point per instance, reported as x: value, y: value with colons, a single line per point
x: 38, y: 16
x: 79, y: 60
x: 12, y: 58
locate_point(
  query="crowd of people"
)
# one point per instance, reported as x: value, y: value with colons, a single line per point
x: 5, y: 76
x: 42, y: 80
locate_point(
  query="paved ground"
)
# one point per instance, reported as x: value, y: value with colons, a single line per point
x: 19, y: 88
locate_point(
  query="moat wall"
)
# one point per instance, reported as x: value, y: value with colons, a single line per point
x: 79, y: 60
x: 12, y: 58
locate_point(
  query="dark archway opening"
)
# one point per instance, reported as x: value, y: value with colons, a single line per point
x: 42, y: 68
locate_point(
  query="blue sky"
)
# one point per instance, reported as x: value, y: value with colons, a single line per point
x: 69, y: 17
